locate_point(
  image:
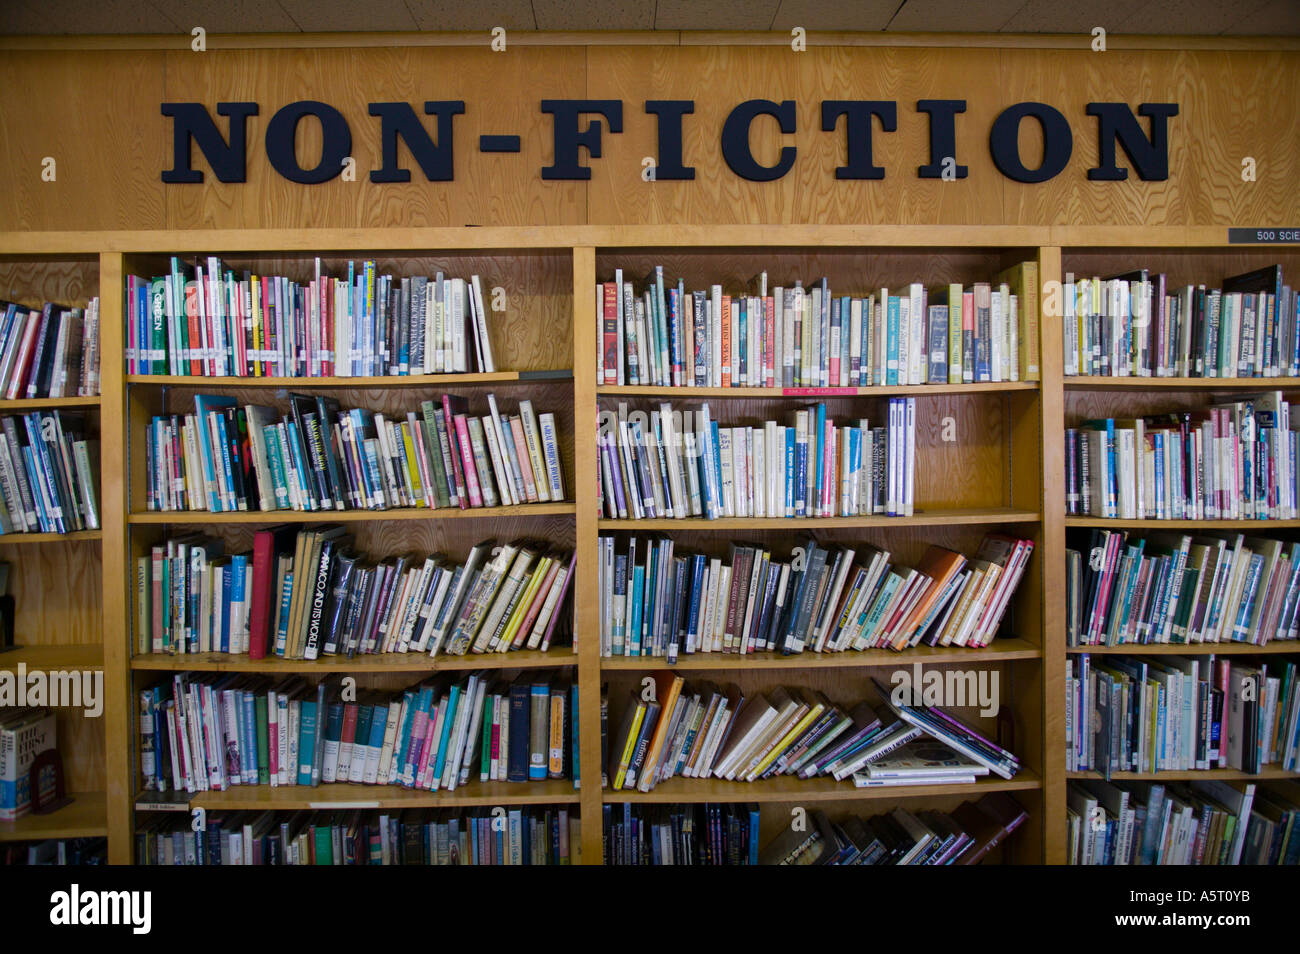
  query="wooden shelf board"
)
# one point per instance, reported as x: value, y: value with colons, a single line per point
x: 1269, y: 772
x: 86, y: 817
x: 1084, y: 383
x: 1127, y: 524
x: 1188, y: 649
x: 810, y: 790
x: 375, y: 382
x: 76, y: 537
x: 931, y: 518
x: 999, y: 650
x: 631, y: 390
x: 36, y: 404
x: 75, y: 656
x: 375, y: 663
x: 345, y: 795
x: 347, y: 516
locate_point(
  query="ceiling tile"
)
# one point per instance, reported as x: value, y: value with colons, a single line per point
x: 1189, y: 16
x: 438, y: 15
x: 343, y: 16
x: 594, y: 14
x: 230, y: 16
x: 935, y: 16
x: 1080, y: 16
x: 852, y: 15
x: 1279, y: 18
x: 84, y: 16
x: 714, y: 14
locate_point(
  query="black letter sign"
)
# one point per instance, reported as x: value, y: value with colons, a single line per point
x: 1116, y: 123
x: 1004, y: 144
x: 191, y: 121
x: 398, y: 121
x: 568, y: 139
x: 735, y: 139
x: 336, y: 142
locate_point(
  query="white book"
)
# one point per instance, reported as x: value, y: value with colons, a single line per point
x: 487, y: 363
x: 532, y: 440
x: 917, y: 345
x: 551, y: 455
x: 726, y: 461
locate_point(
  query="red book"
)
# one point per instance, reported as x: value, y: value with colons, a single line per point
x: 769, y: 342
x: 539, y: 597
x: 451, y: 406
x: 349, y: 734
x: 18, y: 383
x: 261, y: 611
x: 609, y: 351
x: 467, y: 459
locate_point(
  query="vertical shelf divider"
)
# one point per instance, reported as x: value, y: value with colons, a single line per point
x: 586, y: 599
x: 1052, y: 559
x: 119, y: 775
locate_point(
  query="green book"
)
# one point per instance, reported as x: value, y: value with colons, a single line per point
x: 263, y: 743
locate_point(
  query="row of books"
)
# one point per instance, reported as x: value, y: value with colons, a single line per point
x: 656, y: 600
x: 49, y: 473
x: 49, y: 353
x: 706, y: 834
x: 303, y: 594
x: 1199, y: 823
x: 55, y: 851
x: 1229, y: 461
x: 1181, y: 713
x: 1125, y: 588
x: 963, y: 836
x: 518, y: 835
x: 227, y: 457
x: 704, y: 730
x: 666, y: 336
x: 211, y: 734
x: 1135, y: 325
x: 208, y: 319
x: 667, y: 465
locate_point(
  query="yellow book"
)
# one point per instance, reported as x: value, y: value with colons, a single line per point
x: 521, y: 607
x: 412, y: 468
x: 629, y: 745
x: 1023, y: 280
x: 258, y: 340
x: 818, y: 706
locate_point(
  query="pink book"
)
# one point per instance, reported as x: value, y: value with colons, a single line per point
x: 559, y: 607
x: 467, y: 461
x: 539, y: 598
x: 273, y: 741
x: 419, y: 735
x: 525, y: 464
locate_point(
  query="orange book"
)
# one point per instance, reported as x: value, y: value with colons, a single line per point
x: 940, y: 566
x: 668, y: 687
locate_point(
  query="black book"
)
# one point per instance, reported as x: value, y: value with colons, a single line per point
x: 327, y: 411
x: 319, y: 581
x: 44, y: 352
x: 342, y: 582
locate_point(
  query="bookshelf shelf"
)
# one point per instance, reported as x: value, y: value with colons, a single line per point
x: 76, y: 656
x: 810, y: 790
x: 933, y: 518
x: 84, y: 818
x: 385, y: 382
x: 189, y: 517
x: 75, y: 537
x: 1180, y: 384
x: 375, y: 663
x: 1262, y: 526
x: 1269, y: 773
x: 1000, y: 650
x: 1185, y: 649
x: 40, y: 404
x: 342, y: 796
x: 636, y: 390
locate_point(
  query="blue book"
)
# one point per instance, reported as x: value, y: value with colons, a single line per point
x: 424, y: 702
x: 576, y: 761
x: 674, y: 334
x: 403, y: 739
x: 789, y: 471
x: 846, y: 342
x: 801, y: 479
x: 717, y: 465
x: 634, y: 621
x: 742, y: 340
x: 306, y: 741
x: 238, y: 589
x: 453, y: 701
x: 752, y: 811
x: 282, y: 628
x: 698, y: 563
x: 203, y: 405
x: 815, y: 494
x: 891, y: 341
x: 1160, y: 502
x: 227, y: 593
x: 249, y: 715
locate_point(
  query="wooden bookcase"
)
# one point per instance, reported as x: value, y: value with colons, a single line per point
x: 1004, y: 470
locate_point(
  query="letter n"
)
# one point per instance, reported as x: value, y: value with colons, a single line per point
x: 191, y: 123
x: 398, y: 121
x: 1117, y: 124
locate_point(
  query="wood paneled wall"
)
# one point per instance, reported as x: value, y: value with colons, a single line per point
x: 97, y: 113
